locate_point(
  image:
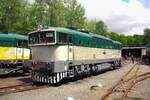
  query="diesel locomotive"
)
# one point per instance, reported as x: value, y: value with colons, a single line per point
x: 14, y: 52
x: 59, y: 53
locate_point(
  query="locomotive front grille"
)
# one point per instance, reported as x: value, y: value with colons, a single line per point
x: 40, y: 76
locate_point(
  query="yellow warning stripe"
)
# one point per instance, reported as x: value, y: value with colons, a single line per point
x: 4, y: 50
x: 14, y: 57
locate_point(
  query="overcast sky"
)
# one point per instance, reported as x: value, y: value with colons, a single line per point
x: 124, y: 16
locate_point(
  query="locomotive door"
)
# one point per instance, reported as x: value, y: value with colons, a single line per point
x: 70, y: 53
x: 70, y: 49
x: 19, y: 50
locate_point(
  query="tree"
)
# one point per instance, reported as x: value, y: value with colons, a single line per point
x: 101, y: 28
x: 146, y: 36
x: 11, y: 12
x: 74, y: 14
x: 55, y: 13
x: 138, y: 40
x: 19, y: 16
x: 90, y: 25
x: 35, y: 15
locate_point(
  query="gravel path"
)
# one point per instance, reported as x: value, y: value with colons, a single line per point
x: 77, y: 90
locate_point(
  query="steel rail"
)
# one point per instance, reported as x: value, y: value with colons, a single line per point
x: 19, y: 88
x: 141, y: 77
x: 118, y: 83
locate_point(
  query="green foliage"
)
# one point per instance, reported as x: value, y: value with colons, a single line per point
x: 90, y: 25
x: 74, y: 14
x: 55, y: 13
x: 147, y: 36
x: 101, y: 28
x: 20, y: 16
x: 11, y: 12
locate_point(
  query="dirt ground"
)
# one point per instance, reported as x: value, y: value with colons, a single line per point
x: 91, y: 88
x: 15, y: 80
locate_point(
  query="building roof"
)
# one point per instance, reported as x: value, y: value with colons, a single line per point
x: 133, y: 48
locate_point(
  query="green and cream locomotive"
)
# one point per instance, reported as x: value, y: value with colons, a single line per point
x: 59, y: 53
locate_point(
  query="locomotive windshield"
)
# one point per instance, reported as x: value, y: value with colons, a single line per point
x: 42, y: 37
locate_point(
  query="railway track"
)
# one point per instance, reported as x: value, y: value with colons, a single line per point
x: 121, y: 90
x: 20, y: 88
x: 125, y: 62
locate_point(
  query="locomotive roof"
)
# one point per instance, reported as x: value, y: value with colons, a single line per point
x: 71, y: 31
x: 100, y: 36
x: 13, y: 37
x: 67, y: 31
x: 87, y: 34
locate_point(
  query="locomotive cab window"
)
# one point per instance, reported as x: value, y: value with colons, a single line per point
x: 50, y: 37
x: 42, y: 37
x: 47, y: 37
x: 34, y: 38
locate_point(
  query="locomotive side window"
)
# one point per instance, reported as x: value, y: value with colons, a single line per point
x: 19, y: 43
x: 70, y: 39
x: 79, y: 42
x: 62, y: 38
x: 25, y: 43
x: 22, y: 43
x: 65, y: 38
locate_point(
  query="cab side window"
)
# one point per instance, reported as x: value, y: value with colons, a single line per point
x: 62, y: 38
x: 25, y: 43
x: 65, y: 38
x: 70, y: 39
x: 19, y: 43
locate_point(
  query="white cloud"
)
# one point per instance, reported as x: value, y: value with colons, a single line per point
x: 124, y: 17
